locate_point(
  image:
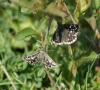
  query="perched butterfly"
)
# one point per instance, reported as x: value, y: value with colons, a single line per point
x: 43, y: 57
x: 65, y: 34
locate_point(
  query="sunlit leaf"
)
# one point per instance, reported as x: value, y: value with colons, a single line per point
x: 17, y: 44
x: 81, y: 7
x: 41, y: 24
x: 92, y: 22
x: 85, y: 59
x: 24, y: 3
x: 54, y: 10
x: 38, y: 5
x: 97, y: 4
x: 34, y: 5
x: 26, y: 32
x: 24, y: 9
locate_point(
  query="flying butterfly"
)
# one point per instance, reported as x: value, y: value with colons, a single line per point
x: 41, y: 56
x: 65, y: 34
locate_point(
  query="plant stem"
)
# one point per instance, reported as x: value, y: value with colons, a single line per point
x: 44, y: 47
x: 47, y: 32
x: 10, y: 79
x: 50, y: 78
x: 69, y: 14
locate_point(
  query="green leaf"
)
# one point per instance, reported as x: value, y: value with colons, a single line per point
x: 38, y: 84
x: 2, y: 41
x: 39, y: 73
x: 26, y: 32
x: 54, y: 10
x: 97, y: 3
x: 32, y: 40
x: 24, y: 9
x: 41, y: 24
x: 34, y: 5
x: 23, y: 3
x: 92, y: 22
x: 17, y: 44
x: 85, y: 59
x: 81, y: 7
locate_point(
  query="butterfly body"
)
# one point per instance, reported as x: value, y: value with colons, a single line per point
x: 65, y: 34
x: 43, y: 57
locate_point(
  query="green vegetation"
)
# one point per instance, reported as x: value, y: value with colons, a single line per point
x: 23, y: 26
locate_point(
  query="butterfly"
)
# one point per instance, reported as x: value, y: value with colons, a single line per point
x: 41, y: 56
x: 65, y: 34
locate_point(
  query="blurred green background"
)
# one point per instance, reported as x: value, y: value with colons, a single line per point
x: 22, y: 25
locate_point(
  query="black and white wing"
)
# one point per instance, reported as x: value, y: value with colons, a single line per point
x: 41, y: 56
x: 47, y: 61
x: 33, y: 59
x: 65, y: 34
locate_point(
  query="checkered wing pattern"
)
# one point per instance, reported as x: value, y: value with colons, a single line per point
x: 65, y: 34
x: 33, y: 59
x: 43, y: 57
x: 48, y: 62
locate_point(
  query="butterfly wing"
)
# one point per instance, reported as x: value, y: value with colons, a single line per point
x: 57, y: 35
x: 66, y: 34
x: 68, y: 38
x: 33, y: 59
x: 47, y: 61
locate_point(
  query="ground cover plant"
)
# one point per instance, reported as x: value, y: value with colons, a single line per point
x: 69, y: 60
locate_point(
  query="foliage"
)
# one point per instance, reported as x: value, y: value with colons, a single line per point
x: 23, y: 24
